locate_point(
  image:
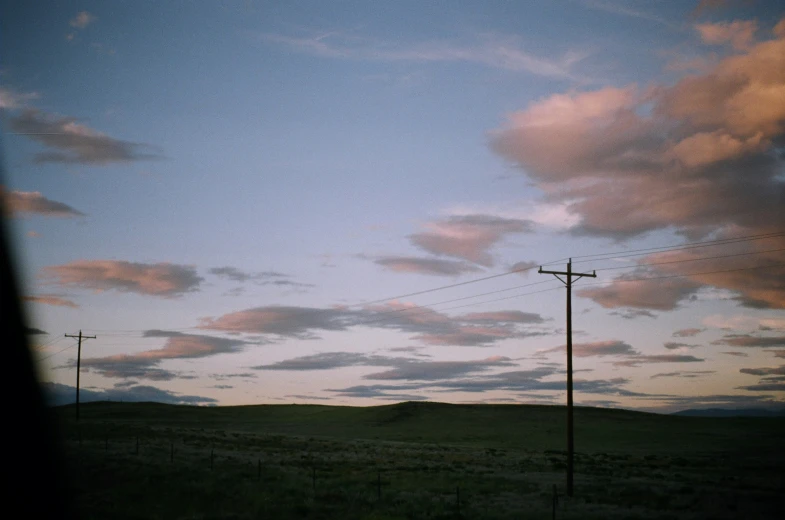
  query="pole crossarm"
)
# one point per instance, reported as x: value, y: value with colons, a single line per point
x: 593, y: 274
x: 570, y: 278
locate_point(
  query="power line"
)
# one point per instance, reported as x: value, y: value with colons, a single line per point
x: 617, y: 254
x: 691, y: 259
x: 502, y: 299
x: 448, y: 286
x: 420, y: 309
x: 51, y: 342
x: 487, y: 293
x: 664, y: 249
x: 609, y: 256
x: 621, y: 280
x: 424, y: 308
x: 382, y: 316
x: 56, y: 353
x: 132, y: 332
x: 427, y: 307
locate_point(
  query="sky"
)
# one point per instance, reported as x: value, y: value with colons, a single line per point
x: 347, y: 202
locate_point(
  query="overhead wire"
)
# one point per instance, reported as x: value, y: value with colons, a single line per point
x: 428, y: 307
x: 381, y: 316
x: 690, y: 259
x: 51, y: 341
x: 622, y: 280
x: 475, y: 280
x: 55, y: 353
x: 683, y: 275
x: 600, y: 256
x: 425, y: 308
x: 665, y: 249
x: 616, y: 254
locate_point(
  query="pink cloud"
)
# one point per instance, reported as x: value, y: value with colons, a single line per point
x: 596, y: 124
x: 50, y: 299
x: 74, y: 143
x: 740, y: 34
x: 32, y: 202
x: 630, y: 356
x: 468, y: 237
x: 426, y: 325
x: 661, y: 295
x: 438, y: 370
x: 597, y: 348
x: 657, y: 358
x: 503, y: 316
x: 282, y: 320
x: 699, y: 157
x: 145, y: 365
x: 687, y: 333
x: 765, y: 371
x: 427, y: 266
x: 675, y: 345
x: 695, y: 157
x: 711, y: 147
x: 82, y: 20
x: 748, y: 340
x: 732, y: 267
x: 468, y: 336
x: 162, y: 279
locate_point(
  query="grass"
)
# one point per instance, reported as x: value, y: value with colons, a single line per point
x: 504, y: 458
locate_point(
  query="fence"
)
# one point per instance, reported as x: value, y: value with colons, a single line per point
x: 320, y: 475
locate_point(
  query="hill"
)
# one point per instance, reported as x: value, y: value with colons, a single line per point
x: 735, y: 412
x: 418, y: 460
x: 528, y: 427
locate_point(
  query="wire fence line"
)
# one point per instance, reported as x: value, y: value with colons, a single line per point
x: 331, y: 477
x: 372, y: 476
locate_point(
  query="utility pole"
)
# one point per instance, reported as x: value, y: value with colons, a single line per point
x: 569, y: 274
x: 78, y: 365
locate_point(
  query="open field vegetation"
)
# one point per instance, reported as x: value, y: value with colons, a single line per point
x: 417, y: 460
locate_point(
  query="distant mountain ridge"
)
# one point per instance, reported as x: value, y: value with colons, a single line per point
x: 732, y: 412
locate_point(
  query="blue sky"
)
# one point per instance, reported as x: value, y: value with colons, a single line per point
x: 238, y: 199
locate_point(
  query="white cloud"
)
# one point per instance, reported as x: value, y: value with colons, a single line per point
x: 489, y: 50
x: 10, y: 99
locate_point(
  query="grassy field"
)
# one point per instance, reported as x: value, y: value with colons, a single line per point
x: 418, y: 460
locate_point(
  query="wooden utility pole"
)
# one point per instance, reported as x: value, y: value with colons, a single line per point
x: 569, y: 274
x: 78, y: 365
